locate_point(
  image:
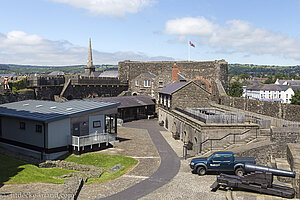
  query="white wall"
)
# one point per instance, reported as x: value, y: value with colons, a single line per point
x: 59, y: 133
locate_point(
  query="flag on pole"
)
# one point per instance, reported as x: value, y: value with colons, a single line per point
x: 192, y: 44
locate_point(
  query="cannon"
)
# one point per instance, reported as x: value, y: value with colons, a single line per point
x: 258, y: 178
x: 277, y: 172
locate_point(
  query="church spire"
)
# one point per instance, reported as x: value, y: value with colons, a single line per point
x: 89, y: 69
x: 90, y: 58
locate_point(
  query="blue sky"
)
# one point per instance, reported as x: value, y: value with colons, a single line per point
x: 56, y: 32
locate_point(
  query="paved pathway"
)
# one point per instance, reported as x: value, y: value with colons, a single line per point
x: 169, y: 167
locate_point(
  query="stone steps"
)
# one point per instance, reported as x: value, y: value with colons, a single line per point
x: 230, y: 145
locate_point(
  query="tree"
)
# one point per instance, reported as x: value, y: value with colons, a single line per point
x: 235, y: 89
x: 296, y: 98
x: 270, y: 80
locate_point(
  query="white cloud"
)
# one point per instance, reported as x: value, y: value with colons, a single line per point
x: 235, y: 36
x: 18, y: 47
x: 190, y: 26
x: 109, y: 7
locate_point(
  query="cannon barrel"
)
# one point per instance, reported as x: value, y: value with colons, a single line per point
x: 274, y: 171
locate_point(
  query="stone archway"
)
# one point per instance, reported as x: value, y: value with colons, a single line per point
x: 205, y: 84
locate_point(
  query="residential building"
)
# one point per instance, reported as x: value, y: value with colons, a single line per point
x: 287, y: 82
x: 269, y: 92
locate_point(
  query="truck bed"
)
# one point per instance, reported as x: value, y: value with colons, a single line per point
x: 244, y: 159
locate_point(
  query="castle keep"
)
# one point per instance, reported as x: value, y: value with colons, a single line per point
x: 147, y: 78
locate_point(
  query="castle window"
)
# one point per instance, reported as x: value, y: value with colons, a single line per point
x: 137, y: 83
x: 147, y: 83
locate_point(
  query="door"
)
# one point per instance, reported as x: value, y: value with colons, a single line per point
x: 227, y: 163
x: 214, y: 163
x: 76, y: 129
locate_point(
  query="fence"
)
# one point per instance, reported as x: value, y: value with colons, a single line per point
x: 96, y: 138
x: 263, y: 120
x: 211, y: 115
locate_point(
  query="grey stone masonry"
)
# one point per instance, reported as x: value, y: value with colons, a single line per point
x: 209, y: 70
x: 89, y: 170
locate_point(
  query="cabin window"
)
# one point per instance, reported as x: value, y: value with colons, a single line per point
x: 217, y: 158
x: 96, y: 124
x: 226, y: 157
x: 38, y: 128
x: 22, y: 125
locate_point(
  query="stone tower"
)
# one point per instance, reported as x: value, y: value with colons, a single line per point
x: 90, y: 68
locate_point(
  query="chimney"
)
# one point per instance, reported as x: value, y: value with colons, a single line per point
x: 175, y: 73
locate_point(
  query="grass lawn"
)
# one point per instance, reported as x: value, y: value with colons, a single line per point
x: 105, y: 161
x: 15, y: 171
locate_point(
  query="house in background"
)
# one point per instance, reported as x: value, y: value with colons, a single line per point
x: 287, y: 82
x: 131, y: 107
x: 47, y: 130
x: 270, y: 92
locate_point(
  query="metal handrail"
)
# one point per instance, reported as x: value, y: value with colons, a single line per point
x: 218, y: 139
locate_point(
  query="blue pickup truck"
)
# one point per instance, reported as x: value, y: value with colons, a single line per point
x: 222, y: 161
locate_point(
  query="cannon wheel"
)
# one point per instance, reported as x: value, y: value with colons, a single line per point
x: 201, y: 171
x: 239, y: 171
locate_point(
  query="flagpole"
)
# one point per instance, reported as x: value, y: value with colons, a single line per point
x: 189, y: 51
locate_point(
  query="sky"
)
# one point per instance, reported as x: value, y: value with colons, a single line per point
x: 56, y: 32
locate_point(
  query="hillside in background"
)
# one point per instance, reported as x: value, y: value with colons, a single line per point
x: 262, y: 70
x: 32, y: 69
x: 233, y: 69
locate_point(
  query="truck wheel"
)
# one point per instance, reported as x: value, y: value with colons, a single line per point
x: 239, y: 171
x: 201, y: 171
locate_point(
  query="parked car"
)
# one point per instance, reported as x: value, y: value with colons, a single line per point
x: 221, y: 161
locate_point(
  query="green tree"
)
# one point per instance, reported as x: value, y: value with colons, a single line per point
x: 270, y: 80
x: 235, y: 89
x: 296, y: 98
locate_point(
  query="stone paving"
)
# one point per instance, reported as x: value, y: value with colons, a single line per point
x: 186, y: 185
x: 130, y: 145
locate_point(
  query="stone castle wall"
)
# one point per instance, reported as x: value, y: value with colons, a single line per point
x: 210, y: 70
x: 274, y: 109
x: 8, y: 98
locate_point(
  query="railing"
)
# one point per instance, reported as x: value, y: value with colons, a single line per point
x: 213, y: 116
x: 191, y: 115
x: 229, y: 137
x: 96, y: 138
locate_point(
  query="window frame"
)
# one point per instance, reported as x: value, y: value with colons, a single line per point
x: 147, y: 83
x: 38, y: 128
x: 96, y: 126
x: 22, y: 125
